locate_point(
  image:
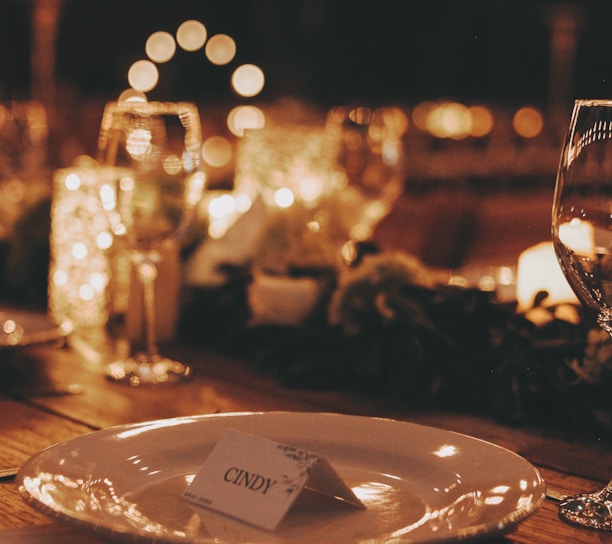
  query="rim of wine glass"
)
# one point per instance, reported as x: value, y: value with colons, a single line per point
x: 593, y: 102
x: 181, y: 108
x: 160, y: 107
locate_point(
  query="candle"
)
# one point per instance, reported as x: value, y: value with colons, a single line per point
x: 538, y: 270
x: 578, y: 235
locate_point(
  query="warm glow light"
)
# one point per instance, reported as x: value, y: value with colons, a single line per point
x: 132, y: 95
x: 243, y: 118
x: 248, y: 80
x: 160, y: 47
x: 143, y: 75
x: 104, y: 240
x: 243, y: 203
x: 191, y: 35
x: 190, y: 160
x: 395, y: 120
x: 284, y: 197
x: 222, y: 206
x: 79, y: 251
x: 60, y: 277
x: 9, y: 326
x: 538, y: 270
x: 126, y: 184
x: 138, y: 143
x: 451, y: 120
x: 72, y: 182
x: 528, y: 122
x: 482, y: 121
x: 80, y: 238
x: 98, y: 281
x: 107, y: 197
x: 220, y: 49
x: 172, y: 164
x: 86, y: 292
x: 420, y: 113
x: 310, y: 188
x: 217, y: 151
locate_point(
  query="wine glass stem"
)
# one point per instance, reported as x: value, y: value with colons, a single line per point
x: 147, y: 273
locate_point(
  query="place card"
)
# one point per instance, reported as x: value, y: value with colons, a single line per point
x: 256, y: 480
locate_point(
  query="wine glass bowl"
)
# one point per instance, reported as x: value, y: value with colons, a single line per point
x: 582, y: 238
x: 371, y: 156
x: 155, y: 149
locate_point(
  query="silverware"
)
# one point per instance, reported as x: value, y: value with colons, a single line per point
x: 8, y: 473
x: 554, y: 496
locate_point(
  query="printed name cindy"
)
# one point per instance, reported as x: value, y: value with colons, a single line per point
x: 254, y: 482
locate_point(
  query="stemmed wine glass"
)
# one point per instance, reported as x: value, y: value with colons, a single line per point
x: 155, y: 148
x: 371, y: 156
x: 582, y: 237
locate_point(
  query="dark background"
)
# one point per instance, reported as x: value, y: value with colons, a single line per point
x: 332, y: 51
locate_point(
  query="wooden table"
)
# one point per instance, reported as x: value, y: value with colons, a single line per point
x: 569, y: 463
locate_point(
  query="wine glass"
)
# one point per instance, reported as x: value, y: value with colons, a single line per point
x: 155, y: 147
x: 582, y: 237
x: 371, y: 156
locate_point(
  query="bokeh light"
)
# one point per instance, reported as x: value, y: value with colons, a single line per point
x: 449, y: 120
x: 482, y: 121
x: 138, y: 143
x: 160, y: 47
x: 243, y: 118
x: 220, y: 49
x: 222, y: 206
x: 284, y: 197
x: 395, y: 120
x: 420, y: 113
x: 248, y: 80
x: 143, y: 75
x: 528, y: 122
x: 191, y: 35
x: 132, y: 95
x: 217, y: 151
x: 72, y: 182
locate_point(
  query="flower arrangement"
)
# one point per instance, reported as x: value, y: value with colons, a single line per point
x: 391, y: 327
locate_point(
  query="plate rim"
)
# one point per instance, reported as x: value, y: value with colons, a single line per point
x: 477, y: 532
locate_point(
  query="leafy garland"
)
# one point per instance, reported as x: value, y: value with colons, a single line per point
x: 386, y: 329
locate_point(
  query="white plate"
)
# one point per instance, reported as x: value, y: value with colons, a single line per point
x: 20, y: 328
x: 419, y: 484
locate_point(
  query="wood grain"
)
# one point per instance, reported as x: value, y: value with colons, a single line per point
x: 568, y: 462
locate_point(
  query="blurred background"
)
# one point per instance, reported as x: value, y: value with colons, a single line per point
x: 486, y: 88
x: 505, y: 52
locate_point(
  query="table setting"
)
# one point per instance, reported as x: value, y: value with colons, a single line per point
x: 253, y: 361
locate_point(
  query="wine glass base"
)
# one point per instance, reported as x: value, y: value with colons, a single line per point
x: 588, y: 510
x: 144, y: 370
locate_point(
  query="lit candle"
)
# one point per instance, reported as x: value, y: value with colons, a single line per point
x: 578, y: 235
x: 538, y: 270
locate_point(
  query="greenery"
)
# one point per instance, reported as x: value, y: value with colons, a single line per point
x: 386, y: 329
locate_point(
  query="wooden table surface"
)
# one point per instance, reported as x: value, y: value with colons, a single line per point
x: 569, y: 463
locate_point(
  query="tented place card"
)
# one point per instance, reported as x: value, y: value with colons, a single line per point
x: 257, y: 480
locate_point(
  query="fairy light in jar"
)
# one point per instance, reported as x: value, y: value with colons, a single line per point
x: 79, y: 269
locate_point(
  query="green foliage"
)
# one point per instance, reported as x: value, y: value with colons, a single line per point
x: 393, y: 333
